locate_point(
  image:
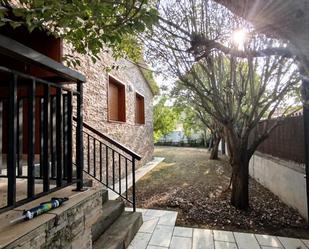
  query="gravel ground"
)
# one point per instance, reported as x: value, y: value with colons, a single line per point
x: 188, y: 182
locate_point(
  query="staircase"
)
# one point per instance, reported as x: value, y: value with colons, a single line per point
x: 111, y: 164
x: 108, y: 162
x: 116, y: 227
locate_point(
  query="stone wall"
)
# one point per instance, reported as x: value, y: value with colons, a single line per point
x: 68, y: 226
x: 136, y: 137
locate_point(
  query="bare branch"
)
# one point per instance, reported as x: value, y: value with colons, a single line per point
x: 202, y: 47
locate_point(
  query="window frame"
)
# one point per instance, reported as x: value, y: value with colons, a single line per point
x: 136, y: 95
x: 120, y: 83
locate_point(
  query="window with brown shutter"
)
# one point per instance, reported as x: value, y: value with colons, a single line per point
x: 116, y: 101
x: 139, y: 109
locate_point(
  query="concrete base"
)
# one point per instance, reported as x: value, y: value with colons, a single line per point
x: 284, y: 179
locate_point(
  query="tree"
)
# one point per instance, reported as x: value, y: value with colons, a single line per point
x: 189, y: 120
x: 196, y: 119
x: 238, y: 90
x: 216, y: 131
x: 287, y: 22
x: 164, y: 119
x: 90, y: 26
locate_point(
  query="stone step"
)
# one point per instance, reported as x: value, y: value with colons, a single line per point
x: 121, y: 233
x: 111, y: 211
x: 105, y: 196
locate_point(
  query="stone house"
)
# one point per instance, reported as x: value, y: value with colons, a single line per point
x: 119, y: 103
x: 60, y: 126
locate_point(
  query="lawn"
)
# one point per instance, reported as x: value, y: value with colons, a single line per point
x: 188, y: 182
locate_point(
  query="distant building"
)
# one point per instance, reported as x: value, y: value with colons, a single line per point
x: 178, y: 137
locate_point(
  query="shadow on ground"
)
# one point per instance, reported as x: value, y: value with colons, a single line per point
x: 188, y: 182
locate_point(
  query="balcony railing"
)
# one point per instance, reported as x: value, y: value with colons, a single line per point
x: 42, y: 147
x: 36, y: 127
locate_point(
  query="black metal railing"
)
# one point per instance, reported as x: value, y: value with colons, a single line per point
x: 36, y: 140
x: 110, y: 163
x: 41, y: 149
x: 36, y: 123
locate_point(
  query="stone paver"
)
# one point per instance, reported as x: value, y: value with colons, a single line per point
x: 268, y: 247
x: 224, y: 236
x: 162, y: 236
x: 156, y: 247
x: 183, y: 232
x: 267, y: 240
x: 290, y: 243
x: 155, y: 213
x: 140, y: 210
x: 181, y: 243
x: 140, y: 241
x: 147, y: 217
x: 203, y: 239
x: 225, y: 245
x: 246, y: 241
x: 168, y: 219
x: 306, y: 242
x: 149, y: 225
x: 159, y: 232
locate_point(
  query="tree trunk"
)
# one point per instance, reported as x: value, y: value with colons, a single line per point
x: 205, y: 138
x: 240, y: 183
x: 214, y: 149
x: 210, y: 144
x: 223, y: 146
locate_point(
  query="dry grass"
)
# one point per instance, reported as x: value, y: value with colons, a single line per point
x: 188, y: 182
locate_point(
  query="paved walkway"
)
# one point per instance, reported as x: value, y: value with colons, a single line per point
x: 159, y: 232
x: 139, y: 173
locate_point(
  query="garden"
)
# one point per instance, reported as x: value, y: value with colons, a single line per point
x: 196, y: 187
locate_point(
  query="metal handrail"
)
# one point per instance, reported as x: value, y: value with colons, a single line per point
x: 111, y: 140
x: 116, y: 163
x: 55, y: 147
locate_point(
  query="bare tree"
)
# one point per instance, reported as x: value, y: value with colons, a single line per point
x: 285, y: 20
x: 238, y: 90
x: 216, y: 131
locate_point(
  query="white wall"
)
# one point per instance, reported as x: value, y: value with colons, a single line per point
x: 284, y: 179
x: 178, y: 136
x: 220, y: 147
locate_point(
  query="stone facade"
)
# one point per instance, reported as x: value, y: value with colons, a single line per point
x: 66, y: 227
x: 136, y: 137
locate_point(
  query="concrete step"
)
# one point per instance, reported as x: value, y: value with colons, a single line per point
x: 111, y: 211
x: 121, y: 233
x: 105, y: 196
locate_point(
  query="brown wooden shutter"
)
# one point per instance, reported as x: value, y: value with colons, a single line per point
x: 139, y: 109
x: 116, y: 101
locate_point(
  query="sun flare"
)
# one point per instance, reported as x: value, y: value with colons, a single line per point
x: 239, y: 37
